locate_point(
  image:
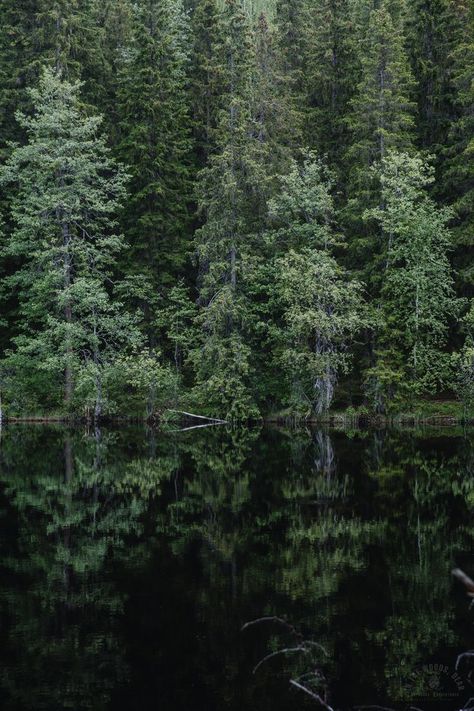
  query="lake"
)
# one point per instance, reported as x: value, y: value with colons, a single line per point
x: 131, y: 559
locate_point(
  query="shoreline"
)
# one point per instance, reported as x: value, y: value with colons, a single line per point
x: 337, y: 420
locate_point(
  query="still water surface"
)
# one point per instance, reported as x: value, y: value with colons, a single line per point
x: 130, y: 560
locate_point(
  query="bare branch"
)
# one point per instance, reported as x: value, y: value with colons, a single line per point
x: 200, y: 417
x: 461, y: 657
x: 268, y: 619
x: 288, y: 650
x: 465, y: 580
x: 313, y: 695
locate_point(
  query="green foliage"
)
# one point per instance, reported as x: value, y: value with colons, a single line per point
x: 418, y: 300
x: 321, y: 314
x: 318, y: 309
x: 209, y: 104
x: 155, y: 143
x: 67, y: 189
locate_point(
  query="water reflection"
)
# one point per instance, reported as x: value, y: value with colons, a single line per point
x: 131, y: 559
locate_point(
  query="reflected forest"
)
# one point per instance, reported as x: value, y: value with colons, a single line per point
x: 131, y: 560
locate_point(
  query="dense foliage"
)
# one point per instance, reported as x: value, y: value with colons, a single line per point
x: 245, y: 207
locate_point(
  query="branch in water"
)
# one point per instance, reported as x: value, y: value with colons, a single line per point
x: 270, y: 619
x: 200, y: 417
x: 461, y: 657
x: 465, y: 580
x: 288, y: 650
x: 313, y: 695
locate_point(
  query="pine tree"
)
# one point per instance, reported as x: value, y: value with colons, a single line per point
x: 292, y: 20
x: 155, y: 144
x: 67, y: 190
x: 231, y: 190
x: 35, y: 33
x: 331, y: 72
x: 418, y: 302
x: 112, y: 20
x: 432, y: 32
x: 380, y: 120
x: 317, y: 308
x: 276, y: 122
x: 459, y: 170
x: 205, y: 77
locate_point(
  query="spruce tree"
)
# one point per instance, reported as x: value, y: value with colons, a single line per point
x: 331, y: 73
x: 380, y: 119
x: 316, y: 308
x: 67, y: 192
x: 156, y: 144
x: 418, y: 301
x: 459, y: 170
x: 432, y: 32
x: 205, y: 77
x: 276, y: 122
x: 231, y: 190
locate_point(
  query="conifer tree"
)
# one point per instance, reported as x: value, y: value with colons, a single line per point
x: 276, y: 122
x: 62, y: 34
x: 331, y: 72
x: 317, y: 308
x: 205, y: 77
x: 155, y: 144
x: 432, y: 32
x: 380, y: 119
x: 230, y: 194
x: 418, y: 302
x: 67, y: 191
x: 459, y: 169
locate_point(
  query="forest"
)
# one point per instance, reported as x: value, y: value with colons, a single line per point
x: 241, y: 208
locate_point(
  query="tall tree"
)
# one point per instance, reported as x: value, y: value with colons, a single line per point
x: 432, y: 32
x: 331, y: 72
x: 380, y: 119
x: 276, y: 122
x: 205, y: 77
x: 418, y: 302
x: 317, y: 309
x: 231, y: 190
x: 67, y: 191
x: 155, y: 144
x: 459, y: 169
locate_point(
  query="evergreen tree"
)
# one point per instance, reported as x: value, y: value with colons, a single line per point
x: 205, y: 77
x: 232, y: 188
x: 155, y: 144
x: 276, y: 122
x: 321, y: 315
x: 459, y: 169
x: 432, y: 31
x: 418, y: 303
x: 331, y: 73
x: 380, y: 120
x: 317, y: 307
x: 67, y: 190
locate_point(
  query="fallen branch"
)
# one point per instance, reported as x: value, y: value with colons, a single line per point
x: 196, y: 427
x: 465, y: 580
x: 313, y: 695
x: 288, y: 650
x: 461, y: 657
x: 200, y: 417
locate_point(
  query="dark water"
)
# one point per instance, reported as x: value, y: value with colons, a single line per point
x: 130, y: 561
